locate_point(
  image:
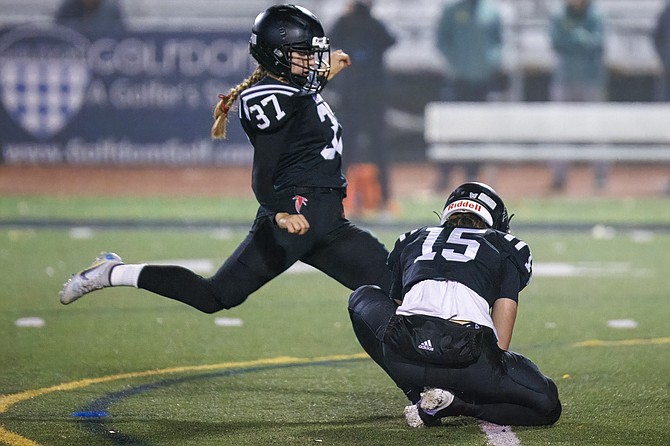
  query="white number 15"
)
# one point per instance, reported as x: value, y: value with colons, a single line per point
x: 455, y: 238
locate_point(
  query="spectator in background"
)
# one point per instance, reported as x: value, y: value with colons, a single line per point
x: 91, y: 15
x: 661, y: 35
x: 363, y: 103
x: 469, y: 35
x: 577, y: 37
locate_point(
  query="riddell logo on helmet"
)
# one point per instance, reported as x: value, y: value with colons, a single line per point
x: 461, y: 204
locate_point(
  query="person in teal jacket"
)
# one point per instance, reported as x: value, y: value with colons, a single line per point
x: 577, y: 32
x: 577, y: 36
x: 469, y: 36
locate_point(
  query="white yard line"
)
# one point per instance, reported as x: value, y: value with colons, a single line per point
x: 499, y: 435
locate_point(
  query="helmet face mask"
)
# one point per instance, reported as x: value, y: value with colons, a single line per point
x: 309, y: 66
x: 481, y: 200
x: 289, y: 42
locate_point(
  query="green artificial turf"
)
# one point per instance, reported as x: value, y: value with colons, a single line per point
x: 291, y: 372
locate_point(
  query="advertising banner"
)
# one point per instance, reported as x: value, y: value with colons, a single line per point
x: 126, y: 98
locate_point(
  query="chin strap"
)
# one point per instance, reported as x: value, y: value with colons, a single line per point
x: 507, y: 220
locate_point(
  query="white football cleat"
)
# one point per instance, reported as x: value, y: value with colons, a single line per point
x: 412, y: 416
x: 94, y: 277
x: 424, y: 413
x: 434, y: 400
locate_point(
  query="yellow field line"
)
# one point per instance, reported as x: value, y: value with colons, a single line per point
x: 623, y: 342
x: 6, y: 401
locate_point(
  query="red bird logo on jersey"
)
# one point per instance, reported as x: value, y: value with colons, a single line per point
x: 300, y: 201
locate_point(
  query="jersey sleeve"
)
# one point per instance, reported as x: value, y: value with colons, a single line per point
x: 267, y: 109
x: 266, y: 114
x: 510, y: 283
x: 518, y: 256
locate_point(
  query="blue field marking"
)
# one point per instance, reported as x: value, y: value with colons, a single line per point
x: 103, y: 426
x: 7, y: 401
x: 90, y: 414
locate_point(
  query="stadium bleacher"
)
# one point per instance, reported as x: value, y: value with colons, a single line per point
x: 629, y: 23
x: 149, y: 13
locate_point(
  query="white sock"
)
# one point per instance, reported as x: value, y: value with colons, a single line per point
x: 126, y: 275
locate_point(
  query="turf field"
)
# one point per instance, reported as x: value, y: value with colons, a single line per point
x: 123, y: 366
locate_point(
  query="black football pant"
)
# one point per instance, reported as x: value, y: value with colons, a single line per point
x: 501, y: 387
x: 333, y: 245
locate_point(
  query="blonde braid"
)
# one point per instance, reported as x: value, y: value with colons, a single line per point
x: 226, y: 102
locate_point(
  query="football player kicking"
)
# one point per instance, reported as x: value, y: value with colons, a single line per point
x: 444, y: 331
x: 296, y: 178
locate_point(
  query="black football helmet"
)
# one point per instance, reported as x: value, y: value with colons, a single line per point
x: 481, y: 200
x: 283, y: 30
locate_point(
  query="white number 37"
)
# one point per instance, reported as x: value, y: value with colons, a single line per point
x: 259, y: 112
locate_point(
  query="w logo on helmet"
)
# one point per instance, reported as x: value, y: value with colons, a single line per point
x: 43, y: 77
x: 320, y: 42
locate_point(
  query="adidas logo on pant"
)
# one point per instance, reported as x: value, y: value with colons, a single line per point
x: 426, y: 345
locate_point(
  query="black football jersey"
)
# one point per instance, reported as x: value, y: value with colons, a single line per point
x: 491, y: 263
x: 296, y: 138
